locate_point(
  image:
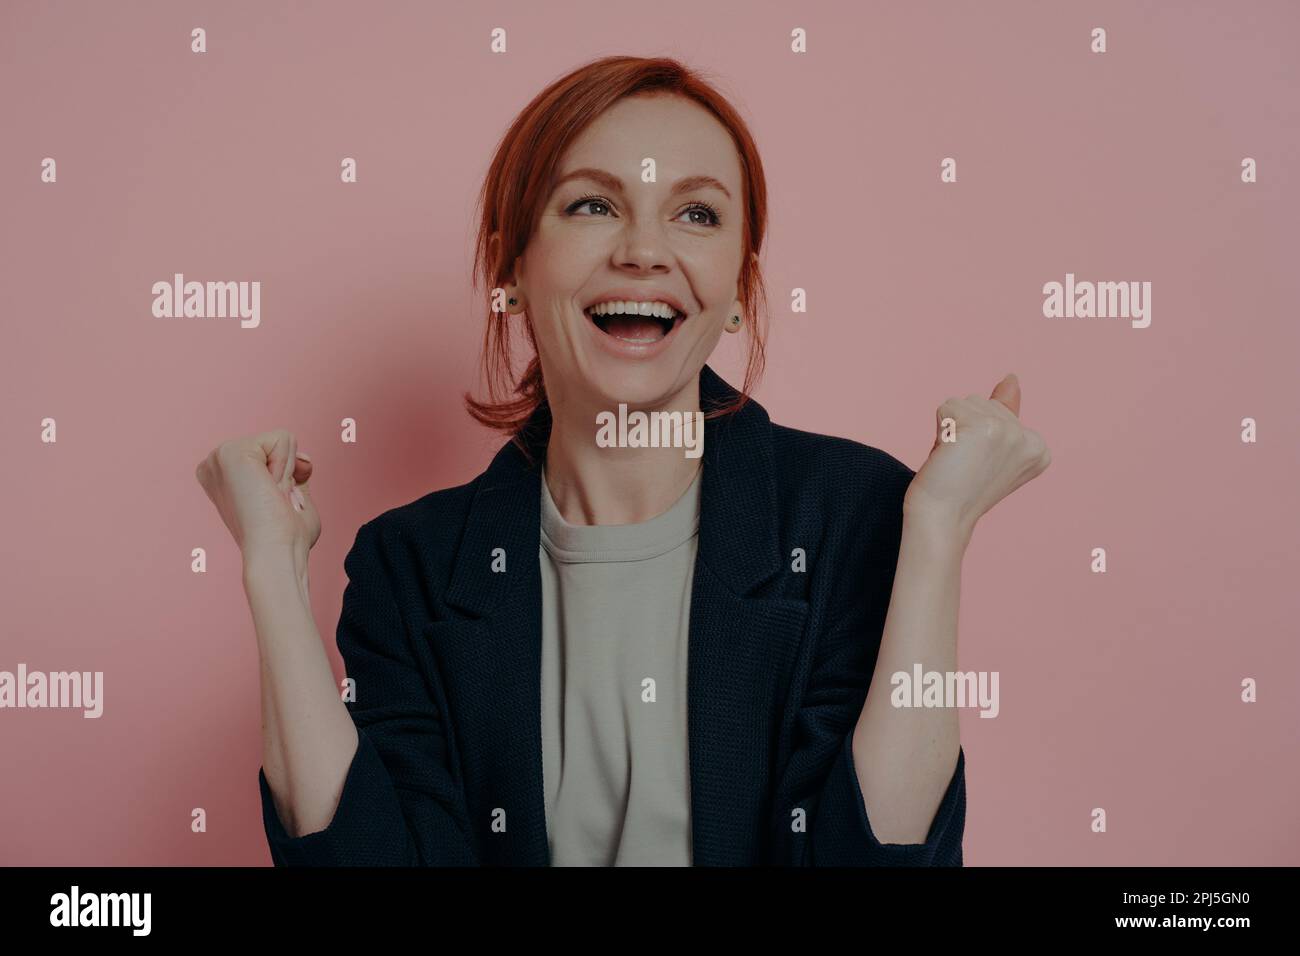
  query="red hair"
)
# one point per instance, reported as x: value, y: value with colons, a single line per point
x: 519, y: 181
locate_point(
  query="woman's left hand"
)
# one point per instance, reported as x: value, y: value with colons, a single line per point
x: 987, y: 455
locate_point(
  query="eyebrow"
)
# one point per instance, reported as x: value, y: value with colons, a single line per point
x: 614, y: 184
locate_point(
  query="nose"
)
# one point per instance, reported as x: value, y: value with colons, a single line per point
x: 643, y: 246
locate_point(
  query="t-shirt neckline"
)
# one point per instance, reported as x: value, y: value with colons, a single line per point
x: 580, y: 543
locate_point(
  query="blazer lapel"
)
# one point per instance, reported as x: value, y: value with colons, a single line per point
x: 744, y: 637
x: 492, y: 663
x: 742, y: 645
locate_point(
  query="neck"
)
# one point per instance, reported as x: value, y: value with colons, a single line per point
x: 594, y: 485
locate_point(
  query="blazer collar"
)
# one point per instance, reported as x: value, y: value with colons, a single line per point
x: 738, y: 514
x: 742, y: 656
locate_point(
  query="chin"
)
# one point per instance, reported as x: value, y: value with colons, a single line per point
x: 645, y: 382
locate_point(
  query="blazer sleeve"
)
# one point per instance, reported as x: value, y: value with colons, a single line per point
x: 400, y: 805
x: 820, y: 776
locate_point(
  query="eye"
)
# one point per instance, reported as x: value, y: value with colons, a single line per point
x: 586, y: 201
x: 701, y: 206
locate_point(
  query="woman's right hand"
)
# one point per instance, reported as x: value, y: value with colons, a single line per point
x: 259, y: 485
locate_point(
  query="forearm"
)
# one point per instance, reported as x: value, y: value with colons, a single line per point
x: 308, y: 737
x: 905, y: 756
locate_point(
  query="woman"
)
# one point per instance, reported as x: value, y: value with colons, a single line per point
x: 605, y: 650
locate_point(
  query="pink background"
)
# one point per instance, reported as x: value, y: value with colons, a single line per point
x: 1119, y: 690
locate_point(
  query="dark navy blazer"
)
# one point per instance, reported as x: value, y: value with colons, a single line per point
x: 446, y: 656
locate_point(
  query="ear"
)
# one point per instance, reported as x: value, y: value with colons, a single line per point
x: 737, y: 305
x: 493, y: 248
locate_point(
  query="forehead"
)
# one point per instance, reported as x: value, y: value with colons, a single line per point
x: 682, y: 137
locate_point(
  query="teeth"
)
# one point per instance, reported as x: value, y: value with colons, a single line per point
x: 660, y: 310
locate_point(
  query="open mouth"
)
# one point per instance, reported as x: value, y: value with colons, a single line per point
x: 634, y: 327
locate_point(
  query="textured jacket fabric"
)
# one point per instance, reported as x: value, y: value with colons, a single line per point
x: 446, y: 657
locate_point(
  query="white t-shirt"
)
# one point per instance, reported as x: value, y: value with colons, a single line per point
x: 615, y: 625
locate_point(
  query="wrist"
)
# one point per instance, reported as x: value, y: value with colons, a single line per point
x: 936, y: 526
x: 274, y: 570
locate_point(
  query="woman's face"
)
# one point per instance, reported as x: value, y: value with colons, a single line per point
x: 605, y: 234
